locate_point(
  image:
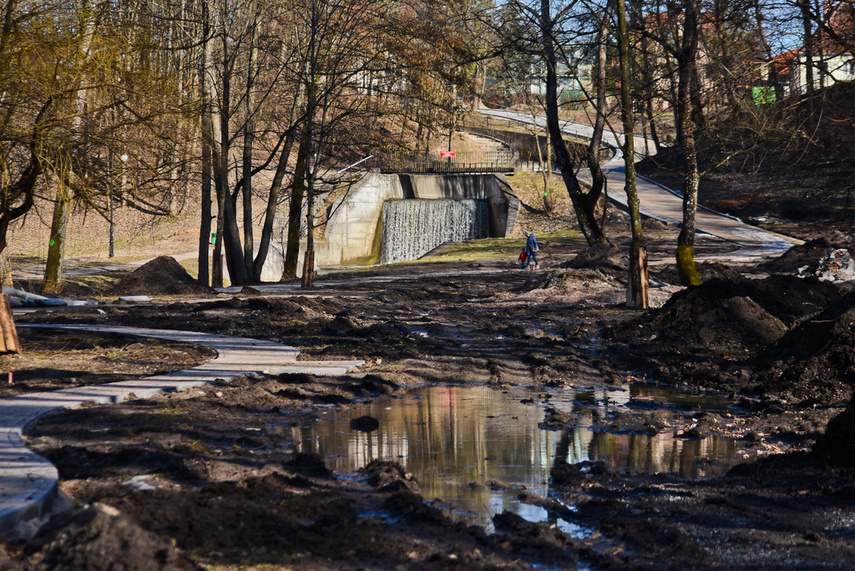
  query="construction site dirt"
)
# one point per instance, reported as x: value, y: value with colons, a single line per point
x: 213, y: 477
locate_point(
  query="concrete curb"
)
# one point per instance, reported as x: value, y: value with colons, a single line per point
x: 29, y: 483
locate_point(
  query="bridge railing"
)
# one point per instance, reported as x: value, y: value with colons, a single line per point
x: 492, y: 161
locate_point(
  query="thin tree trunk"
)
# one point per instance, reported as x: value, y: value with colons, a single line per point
x: 62, y: 209
x: 637, y: 290
x: 593, y: 154
x: 52, y: 283
x: 272, y: 204
x: 207, y: 149
x: 228, y: 234
x: 248, y: 138
x: 804, y: 6
x: 691, y: 180
x: 584, y: 214
x: 648, y: 100
x: 292, y: 251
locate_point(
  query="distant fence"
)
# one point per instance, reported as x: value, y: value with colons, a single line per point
x: 479, y: 162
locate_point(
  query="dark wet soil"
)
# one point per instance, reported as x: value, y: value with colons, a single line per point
x: 53, y: 359
x: 211, y: 476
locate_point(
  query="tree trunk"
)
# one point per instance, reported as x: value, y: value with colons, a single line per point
x: 248, y: 139
x: 207, y: 150
x: 8, y: 333
x: 309, y: 259
x: 228, y: 233
x: 691, y: 180
x: 804, y: 6
x: 272, y: 204
x: 648, y: 99
x: 637, y: 290
x: 62, y: 209
x: 52, y: 283
x: 593, y: 153
x: 584, y: 214
x: 292, y: 251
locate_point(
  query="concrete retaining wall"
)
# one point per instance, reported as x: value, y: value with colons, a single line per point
x: 352, y: 235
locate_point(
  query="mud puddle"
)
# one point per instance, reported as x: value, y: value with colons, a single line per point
x: 476, y: 448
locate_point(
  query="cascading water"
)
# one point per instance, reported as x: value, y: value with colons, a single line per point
x: 414, y: 227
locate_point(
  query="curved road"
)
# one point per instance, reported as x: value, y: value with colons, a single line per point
x: 666, y: 205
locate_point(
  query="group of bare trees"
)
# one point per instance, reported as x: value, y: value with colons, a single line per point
x: 693, y: 59
x: 136, y: 104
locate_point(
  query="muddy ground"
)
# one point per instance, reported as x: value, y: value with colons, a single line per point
x: 194, y: 479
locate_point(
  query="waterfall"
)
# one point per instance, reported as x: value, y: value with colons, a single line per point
x: 414, y: 227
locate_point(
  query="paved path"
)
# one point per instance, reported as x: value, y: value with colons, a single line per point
x: 666, y: 205
x: 29, y: 483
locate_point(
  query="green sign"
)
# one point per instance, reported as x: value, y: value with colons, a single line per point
x: 763, y: 95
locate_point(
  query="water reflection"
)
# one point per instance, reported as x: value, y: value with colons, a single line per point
x: 477, y: 448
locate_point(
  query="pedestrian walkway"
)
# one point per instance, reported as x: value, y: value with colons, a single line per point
x: 29, y: 483
x: 661, y: 203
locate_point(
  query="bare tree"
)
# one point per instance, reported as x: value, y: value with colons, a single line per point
x: 637, y: 291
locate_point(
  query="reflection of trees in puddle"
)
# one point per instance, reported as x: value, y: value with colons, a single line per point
x: 478, y: 448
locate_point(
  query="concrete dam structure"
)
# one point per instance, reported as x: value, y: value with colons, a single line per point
x: 413, y: 227
x: 421, y: 213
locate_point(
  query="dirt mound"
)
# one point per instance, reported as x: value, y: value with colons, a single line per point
x: 161, y: 276
x: 807, y: 254
x: 101, y: 537
x: 816, y: 358
x: 837, y: 445
x: 737, y: 315
x: 708, y: 271
x: 574, y: 279
x: 604, y: 256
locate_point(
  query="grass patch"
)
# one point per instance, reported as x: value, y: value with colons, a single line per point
x: 497, y: 248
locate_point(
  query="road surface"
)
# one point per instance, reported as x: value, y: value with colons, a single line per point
x: 666, y: 205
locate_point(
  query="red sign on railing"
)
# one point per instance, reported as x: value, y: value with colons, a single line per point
x: 444, y: 154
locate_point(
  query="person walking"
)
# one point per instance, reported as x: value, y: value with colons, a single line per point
x: 531, y: 249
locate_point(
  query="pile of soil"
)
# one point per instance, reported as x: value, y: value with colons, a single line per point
x: 783, y: 336
x: 161, y: 276
x: 815, y: 360
x: 92, y: 537
x: 800, y: 256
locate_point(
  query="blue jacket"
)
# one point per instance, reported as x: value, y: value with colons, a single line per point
x: 531, y: 243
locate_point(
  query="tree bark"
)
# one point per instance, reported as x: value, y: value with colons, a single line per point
x: 648, y: 100
x: 292, y: 251
x: 228, y: 234
x: 248, y: 139
x: 637, y: 290
x: 62, y: 209
x: 584, y: 214
x: 9, y: 335
x: 691, y: 179
x: 804, y: 6
x: 272, y: 205
x: 593, y: 155
x: 52, y: 283
x: 207, y: 125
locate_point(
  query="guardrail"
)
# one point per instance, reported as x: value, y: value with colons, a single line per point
x: 486, y: 162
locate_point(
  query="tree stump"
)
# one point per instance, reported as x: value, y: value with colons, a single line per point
x: 637, y: 292
x: 308, y: 269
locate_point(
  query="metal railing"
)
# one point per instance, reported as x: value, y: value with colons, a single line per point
x: 479, y: 162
